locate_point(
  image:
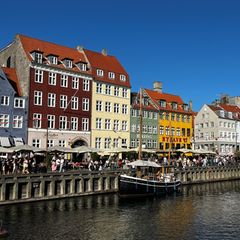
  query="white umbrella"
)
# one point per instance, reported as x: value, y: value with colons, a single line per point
x: 184, y: 150
x: 60, y: 149
x: 143, y: 150
x: 27, y: 148
x: 84, y: 149
x: 142, y: 163
x: 5, y: 150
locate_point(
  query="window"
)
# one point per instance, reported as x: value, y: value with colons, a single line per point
x: 53, y: 59
x: 115, y: 142
x: 111, y: 75
x: 155, y: 115
x: 173, y: 116
x: 37, y: 98
x: 85, y: 124
x: 85, y: 104
x: 75, y: 83
x: 100, y: 72
x: 38, y: 76
x: 82, y: 66
x: 107, y: 142
x: 149, y: 129
x: 62, y: 122
x: 154, y: 143
x: 107, y: 106
x: 36, y: 143
x: 116, y: 108
x: 167, y: 130
x: 167, y: 116
x: 124, y: 92
x: 116, y: 125
x: 4, y: 120
x: 174, y: 105
x: 74, y: 103
x: 52, y: 78
x: 107, y: 124
x: 108, y: 90
x: 63, y: 101
x: 124, y: 125
x: 163, y: 103
x: 178, y: 117
x: 5, y: 100
x: 150, y: 115
x: 124, y: 142
x: 37, y: 57
x: 86, y: 85
x: 133, y: 113
x: 19, y: 103
x: 133, y: 143
x: 183, y: 132
x: 134, y: 128
x: 124, y: 109
x: 172, y: 131
x: 62, y: 143
x: 98, y: 105
x: 145, y: 114
x: 161, y: 115
x: 188, y: 132
x: 68, y: 63
x: 98, y: 123
x: 50, y: 143
x: 51, y: 121
x: 116, y: 91
x: 64, y: 81
x: 17, y: 121
x: 51, y: 99
x: 154, y: 130
x: 98, y: 142
x: 122, y: 77
x: 99, y: 88
x: 74, y: 123
x: 144, y: 129
x: 161, y: 130
x: 37, y: 120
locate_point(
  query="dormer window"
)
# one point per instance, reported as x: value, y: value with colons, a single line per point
x: 174, y: 105
x: 67, y: 63
x: 100, y: 72
x: 111, y: 75
x: 82, y: 66
x: 221, y: 113
x: 185, y: 107
x: 53, y: 59
x: 230, y: 114
x: 122, y: 78
x: 37, y: 57
x: 162, y: 103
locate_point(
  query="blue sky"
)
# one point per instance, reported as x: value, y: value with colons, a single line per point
x: 192, y: 46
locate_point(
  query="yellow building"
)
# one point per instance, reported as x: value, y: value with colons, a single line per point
x: 175, y: 120
x: 110, y: 122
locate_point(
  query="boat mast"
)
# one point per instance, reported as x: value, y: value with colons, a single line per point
x: 140, y: 127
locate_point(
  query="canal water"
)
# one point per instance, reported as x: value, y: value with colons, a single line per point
x: 207, y: 211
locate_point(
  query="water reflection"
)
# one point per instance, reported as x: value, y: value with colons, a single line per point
x: 207, y: 211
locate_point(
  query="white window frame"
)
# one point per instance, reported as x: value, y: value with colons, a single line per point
x: 74, y: 103
x: 75, y: 82
x: 38, y: 76
x: 111, y: 75
x: 99, y: 87
x: 86, y: 85
x: 52, y: 78
x: 62, y: 122
x: 85, y: 124
x: 64, y: 81
x: 5, y: 100
x: 51, y: 100
x: 17, y: 121
x: 107, y: 124
x: 74, y: 123
x: 99, y: 123
x: 123, y: 78
x: 99, y: 106
x: 108, y: 89
x: 100, y: 73
x: 63, y: 101
x: 19, y: 103
x: 37, y: 120
x: 51, y: 121
x: 108, y: 106
x: 38, y: 95
x: 85, y: 104
x: 4, y: 120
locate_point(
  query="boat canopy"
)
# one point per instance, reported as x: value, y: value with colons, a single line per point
x: 142, y: 163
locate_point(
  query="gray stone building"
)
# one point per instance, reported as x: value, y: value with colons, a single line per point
x: 217, y: 128
x: 13, y: 110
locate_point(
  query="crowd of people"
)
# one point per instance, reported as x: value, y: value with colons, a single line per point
x: 28, y: 163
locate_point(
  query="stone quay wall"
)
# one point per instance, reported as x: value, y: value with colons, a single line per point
x: 34, y: 187
x: 208, y: 174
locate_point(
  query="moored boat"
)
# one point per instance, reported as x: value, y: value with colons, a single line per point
x: 145, y: 182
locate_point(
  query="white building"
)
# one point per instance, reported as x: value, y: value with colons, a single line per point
x: 217, y: 128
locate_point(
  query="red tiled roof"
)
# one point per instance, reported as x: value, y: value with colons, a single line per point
x: 169, y: 98
x: 107, y: 63
x: 226, y: 108
x: 32, y: 44
x: 230, y: 108
x: 13, y: 79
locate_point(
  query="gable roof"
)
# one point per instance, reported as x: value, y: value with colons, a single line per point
x: 107, y: 63
x: 226, y: 108
x: 47, y: 48
x: 13, y: 79
x: 169, y: 98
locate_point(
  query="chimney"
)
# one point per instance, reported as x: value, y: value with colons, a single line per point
x: 190, y: 105
x: 104, y: 52
x: 157, y: 86
x: 80, y: 48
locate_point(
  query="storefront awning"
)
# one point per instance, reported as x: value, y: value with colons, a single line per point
x: 4, y: 142
x: 18, y: 141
